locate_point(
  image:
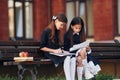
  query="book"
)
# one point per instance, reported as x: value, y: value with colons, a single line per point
x: 79, y: 46
x: 64, y: 53
x: 22, y: 59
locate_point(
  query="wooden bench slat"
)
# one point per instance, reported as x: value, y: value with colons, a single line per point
x: 19, y: 43
x: 105, y: 49
x: 105, y: 44
x: 106, y: 55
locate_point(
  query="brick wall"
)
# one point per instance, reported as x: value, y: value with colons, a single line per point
x: 4, y: 30
x: 43, y: 12
x: 40, y: 17
x: 103, y: 11
x: 59, y: 6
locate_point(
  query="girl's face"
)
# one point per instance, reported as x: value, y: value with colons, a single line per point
x: 59, y: 24
x: 76, y: 28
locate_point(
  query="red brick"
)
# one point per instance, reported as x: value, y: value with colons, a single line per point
x: 4, y: 29
x: 58, y: 6
x: 40, y: 17
x: 103, y: 19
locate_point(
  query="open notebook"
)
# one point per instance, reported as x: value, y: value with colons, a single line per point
x: 75, y: 47
x: 64, y: 53
x: 79, y: 46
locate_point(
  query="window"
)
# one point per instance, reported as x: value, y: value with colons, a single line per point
x: 11, y: 18
x: 119, y: 17
x: 116, y: 18
x: 69, y: 11
x: 82, y: 11
x: 82, y: 8
x: 20, y: 19
x: 86, y: 12
x: 89, y: 14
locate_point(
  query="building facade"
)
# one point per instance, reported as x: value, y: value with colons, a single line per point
x: 26, y: 19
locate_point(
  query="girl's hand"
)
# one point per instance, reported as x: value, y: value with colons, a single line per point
x: 87, y: 48
x: 57, y: 51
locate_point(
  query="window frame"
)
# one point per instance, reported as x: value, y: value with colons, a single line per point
x: 78, y: 13
x: 23, y: 19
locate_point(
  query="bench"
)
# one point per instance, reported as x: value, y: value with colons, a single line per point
x: 11, y: 49
x: 106, y: 49
x: 109, y: 51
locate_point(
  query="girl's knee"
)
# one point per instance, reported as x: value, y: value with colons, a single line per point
x: 79, y: 58
x: 82, y: 53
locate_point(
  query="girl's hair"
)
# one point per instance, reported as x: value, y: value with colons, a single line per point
x: 76, y: 20
x: 61, y: 17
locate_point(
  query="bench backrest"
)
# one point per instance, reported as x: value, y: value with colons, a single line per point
x: 106, y: 50
x: 11, y: 49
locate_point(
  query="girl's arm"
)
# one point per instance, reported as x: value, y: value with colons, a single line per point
x: 44, y: 41
x: 51, y: 50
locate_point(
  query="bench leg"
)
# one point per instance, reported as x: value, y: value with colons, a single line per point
x: 21, y: 71
x: 34, y: 73
x: 23, y: 68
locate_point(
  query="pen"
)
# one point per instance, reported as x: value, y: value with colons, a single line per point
x: 62, y: 49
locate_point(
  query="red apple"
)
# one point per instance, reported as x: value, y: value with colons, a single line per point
x: 26, y: 54
x: 21, y: 54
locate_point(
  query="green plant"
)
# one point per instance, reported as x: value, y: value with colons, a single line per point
x: 100, y: 76
x: 7, y: 77
x: 51, y: 78
x: 104, y: 76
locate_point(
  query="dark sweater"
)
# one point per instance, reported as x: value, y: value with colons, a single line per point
x: 67, y: 42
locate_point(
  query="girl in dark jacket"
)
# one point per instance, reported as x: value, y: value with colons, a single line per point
x: 76, y: 35
x: 50, y: 40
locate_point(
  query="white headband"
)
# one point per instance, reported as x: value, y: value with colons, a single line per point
x: 54, y: 17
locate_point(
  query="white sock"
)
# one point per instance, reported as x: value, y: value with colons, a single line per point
x: 66, y: 68
x: 73, y: 68
x: 79, y: 72
x: 84, y: 62
x: 88, y: 74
